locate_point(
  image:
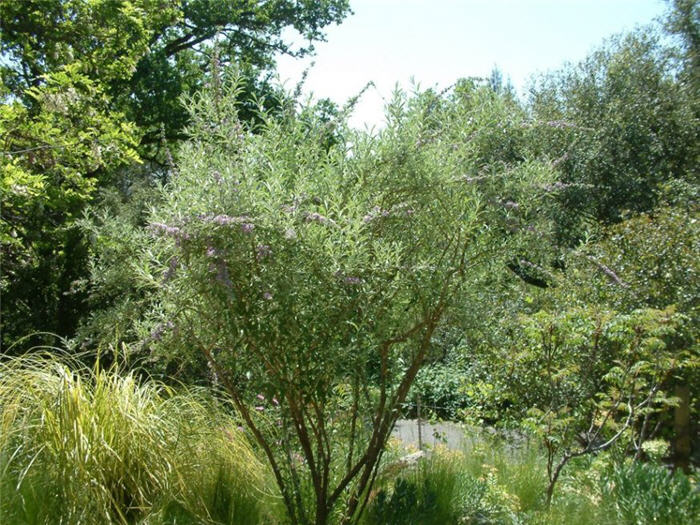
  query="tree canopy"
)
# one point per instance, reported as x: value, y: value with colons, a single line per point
x: 92, y: 88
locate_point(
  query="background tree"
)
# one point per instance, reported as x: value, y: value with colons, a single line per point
x: 593, y: 377
x: 651, y: 261
x: 54, y: 157
x: 151, y: 52
x: 89, y: 90
x: 619, y: 126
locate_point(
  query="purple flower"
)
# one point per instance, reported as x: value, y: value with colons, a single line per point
x: 259, y: 408
x: 317, y: 217
x: 352, y: 280
x: 560, y: 124
x: 275, y: 402
x: 217, y: 177
x: 267, y: 296
x: 260, y: 397
x: 160, y: 329
x: 223, y: 220
x: 157, y: 333
x: 247, y: 227
x: 374, y: 212
x: 172, y: 231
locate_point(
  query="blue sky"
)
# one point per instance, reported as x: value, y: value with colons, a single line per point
x: 439, y: 41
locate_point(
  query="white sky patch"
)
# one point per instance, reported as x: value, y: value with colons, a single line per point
x: 437, y: 42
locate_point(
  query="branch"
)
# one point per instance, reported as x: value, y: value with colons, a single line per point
x: 612, y: 276
x: 243, y: 410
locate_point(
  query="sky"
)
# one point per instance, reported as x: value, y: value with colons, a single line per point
x: 436, y: 42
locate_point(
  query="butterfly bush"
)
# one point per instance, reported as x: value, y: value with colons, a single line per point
x: 319, y: 274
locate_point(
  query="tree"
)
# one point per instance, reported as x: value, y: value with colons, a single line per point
x: 651, y: 261
x: 148, y: 53
x: 90, y: 88
x: 619, y: 126
x: 591, y: 377
x: 312, y: 277
x: 54, y: 156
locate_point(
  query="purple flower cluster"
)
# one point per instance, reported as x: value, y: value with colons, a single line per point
x: 402, y: 209
x: 222, y: 275
x: 172, y: 267
x: 375, y: 213
x: 262, y: 251
x: 318, y: 218
x: 160, y: 329
x: 227, y: 220
x: 172, y: 231
x: 224, y: 220
x: 348, y: 279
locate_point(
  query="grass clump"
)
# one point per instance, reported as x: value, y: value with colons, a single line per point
x: 440, y: 490
x: 494, y: 481
x: 93, y: 446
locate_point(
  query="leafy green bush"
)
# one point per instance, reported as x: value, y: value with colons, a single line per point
x: 486, y: 484
x: 440, y: 491
x: 291, y: 271
x: 440, y: 387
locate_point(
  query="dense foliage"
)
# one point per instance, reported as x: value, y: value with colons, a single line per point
x: 529, y: 265
x: 314, y: 279
x: 91, y: 90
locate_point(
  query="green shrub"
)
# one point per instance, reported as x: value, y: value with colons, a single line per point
x: 424, y: 495
x: 441, y: 389
x: 443, y: 489
x: 649, y: 493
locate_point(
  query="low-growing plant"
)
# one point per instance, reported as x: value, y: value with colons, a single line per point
x: 637, y: 492
x: 96, y: 446
x: 514, y: 463
x: 437, y: 490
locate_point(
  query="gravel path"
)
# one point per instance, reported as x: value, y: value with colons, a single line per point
x: 450, y: 434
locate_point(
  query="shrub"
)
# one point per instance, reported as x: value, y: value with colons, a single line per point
x: 312, y: 279
x: 649, y: 493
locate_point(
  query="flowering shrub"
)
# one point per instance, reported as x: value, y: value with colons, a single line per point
x: 317, y: 277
